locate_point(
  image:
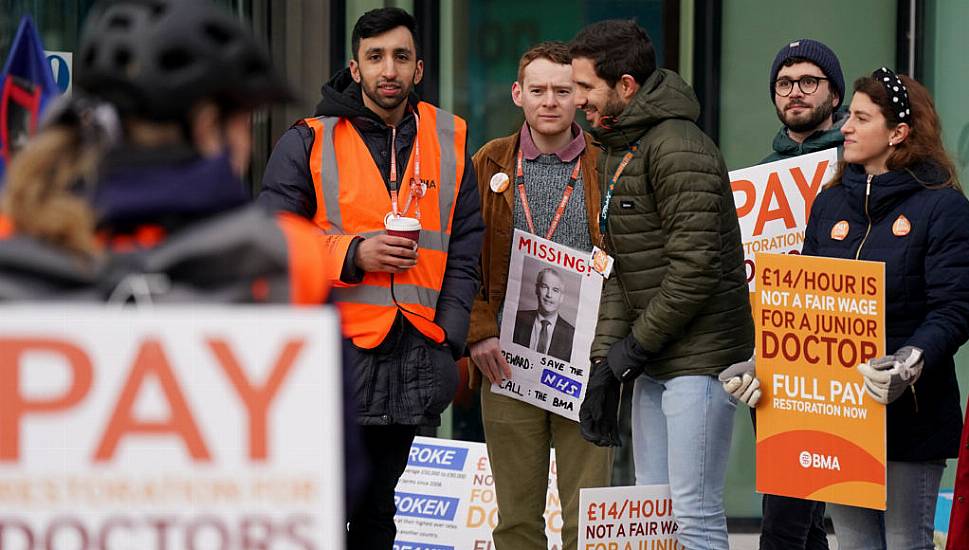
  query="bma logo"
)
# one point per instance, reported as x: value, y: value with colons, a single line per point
x: 435, y: 456
x: 431, y: 184
x: 426, y: 506
x: 819, y: 461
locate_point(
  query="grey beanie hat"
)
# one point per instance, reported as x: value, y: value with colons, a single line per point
x: 816, y: 53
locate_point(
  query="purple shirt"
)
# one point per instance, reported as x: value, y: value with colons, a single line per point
x: 568, y: 153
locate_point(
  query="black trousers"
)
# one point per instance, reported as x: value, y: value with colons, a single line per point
x: 372, y: 520
x: 792, y: 524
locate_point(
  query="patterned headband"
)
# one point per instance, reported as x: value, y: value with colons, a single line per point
x: 895, y: 90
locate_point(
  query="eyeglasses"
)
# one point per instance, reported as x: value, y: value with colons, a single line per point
x: 808, y: 85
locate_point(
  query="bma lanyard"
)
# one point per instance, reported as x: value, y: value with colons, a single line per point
x: 604, y: 215
x: 417, y: 188
x: 566, y: 195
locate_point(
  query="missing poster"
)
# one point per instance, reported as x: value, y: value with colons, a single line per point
x: 548, y: 323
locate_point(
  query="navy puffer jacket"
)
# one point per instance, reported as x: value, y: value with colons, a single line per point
x: 927, y: 288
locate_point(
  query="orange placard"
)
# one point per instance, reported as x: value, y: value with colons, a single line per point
x: 819, y: 435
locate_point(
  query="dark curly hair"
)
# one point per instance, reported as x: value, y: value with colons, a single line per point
x: 378, y: 21
x: 616, y: 47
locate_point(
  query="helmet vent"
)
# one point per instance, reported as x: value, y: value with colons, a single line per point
x: 175, y: 59
x: 254, y: 68
x: 158, y: 10
x: 89, y: 55
x: 120, y: 22
x: 122, y: 57
x: 217, y: 34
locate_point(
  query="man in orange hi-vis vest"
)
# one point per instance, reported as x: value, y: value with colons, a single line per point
x: 376, y: 159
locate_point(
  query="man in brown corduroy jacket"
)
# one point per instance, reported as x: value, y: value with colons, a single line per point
x: 519, y: 435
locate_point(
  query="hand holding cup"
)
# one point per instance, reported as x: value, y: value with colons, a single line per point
x: 393, y: 252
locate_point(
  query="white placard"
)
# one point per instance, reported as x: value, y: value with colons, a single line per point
x: 774, y: 200
x: 639, y: 517
x: 446, y: 498
x: 170, y: 427
x: 555, y: 284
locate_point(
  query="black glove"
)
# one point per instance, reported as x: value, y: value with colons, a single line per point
x: 598, y: 415
x: 627, y: 359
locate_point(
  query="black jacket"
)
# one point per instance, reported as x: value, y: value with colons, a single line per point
x: 288, y: 185
x: 560, y: 344
x: 926, y: 289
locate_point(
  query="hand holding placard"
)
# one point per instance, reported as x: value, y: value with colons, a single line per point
x: 740, y: 380
x: 887, y: 377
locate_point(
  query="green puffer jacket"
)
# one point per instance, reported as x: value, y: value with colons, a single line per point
x: 785, y: 147
x: 680, y: 282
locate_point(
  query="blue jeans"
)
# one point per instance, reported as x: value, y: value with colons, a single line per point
x: 681, y: 436
x: 909, y: 522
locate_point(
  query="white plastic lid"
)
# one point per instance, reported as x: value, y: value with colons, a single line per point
x: 402, y: 224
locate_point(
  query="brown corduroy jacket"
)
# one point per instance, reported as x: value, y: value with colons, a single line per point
x: 497, y: 209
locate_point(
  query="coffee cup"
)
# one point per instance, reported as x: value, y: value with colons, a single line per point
x: 399, y: 226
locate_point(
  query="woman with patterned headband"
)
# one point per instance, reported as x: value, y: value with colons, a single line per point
x: 896, y: 199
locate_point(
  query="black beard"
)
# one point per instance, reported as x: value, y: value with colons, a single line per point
x: 385, y: 102
x: 609, y: 114
x: 613, y: 107
x: 816, y: 117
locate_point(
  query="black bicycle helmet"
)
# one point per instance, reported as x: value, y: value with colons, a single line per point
x: 157, y: 58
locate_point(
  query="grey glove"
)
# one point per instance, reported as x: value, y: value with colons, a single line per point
x: 887, y: 377
x: 740, y: 380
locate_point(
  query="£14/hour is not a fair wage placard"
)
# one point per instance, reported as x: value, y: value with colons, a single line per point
x: 819, y: 436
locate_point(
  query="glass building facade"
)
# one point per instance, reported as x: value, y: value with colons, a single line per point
x: 471, y: 50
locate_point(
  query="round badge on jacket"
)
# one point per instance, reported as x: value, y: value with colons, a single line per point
x: 902, y: 226
x: 840, y: 230
x: 499, y: 182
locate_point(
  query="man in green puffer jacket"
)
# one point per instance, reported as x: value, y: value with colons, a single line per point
x: 676, y: 311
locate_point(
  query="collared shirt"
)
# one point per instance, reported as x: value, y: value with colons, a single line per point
x: 537, y: 331
x: 567, y: 154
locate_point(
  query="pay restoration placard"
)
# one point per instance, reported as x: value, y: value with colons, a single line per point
x: 819, y: 435
x: 170, y: 427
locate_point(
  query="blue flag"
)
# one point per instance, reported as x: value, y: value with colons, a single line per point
x: 26, y: 87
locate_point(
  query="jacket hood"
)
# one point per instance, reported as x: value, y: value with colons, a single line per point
x: 342, y: 97
x: 167, y: 187
x: 818, y: 141
x: 664, y: 95
x: 888, y: 190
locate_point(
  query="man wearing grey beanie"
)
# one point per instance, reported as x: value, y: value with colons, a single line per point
x: 807, y: 88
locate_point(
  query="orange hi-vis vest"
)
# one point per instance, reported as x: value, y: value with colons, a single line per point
x: 352, y: 200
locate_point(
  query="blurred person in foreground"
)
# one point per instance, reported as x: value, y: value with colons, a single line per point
x: 132, y: 189
x: 959, y: 518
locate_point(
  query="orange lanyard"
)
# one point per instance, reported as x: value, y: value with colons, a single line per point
x: 417, y: 189
x: 566, y: 195
x: 604, y: 215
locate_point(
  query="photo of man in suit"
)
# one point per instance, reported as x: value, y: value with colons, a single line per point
x: 543, y: 329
